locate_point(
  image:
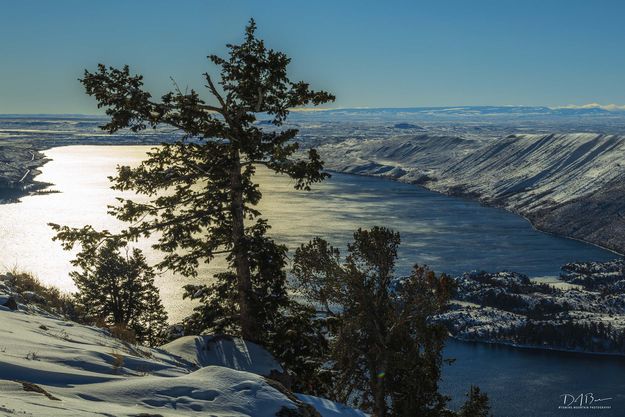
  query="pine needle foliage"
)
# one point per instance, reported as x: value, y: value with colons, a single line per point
x: 201, y: 188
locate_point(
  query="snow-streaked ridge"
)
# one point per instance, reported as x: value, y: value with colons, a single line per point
x: 564, y: 183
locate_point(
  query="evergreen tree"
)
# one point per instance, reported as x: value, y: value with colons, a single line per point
x: 477, y: 404
x: 152, y: 320
x: 218, y: 310
x: 116, y: 287
x: 300, y: 344
x: 202, y: 186
x: 386, y: 351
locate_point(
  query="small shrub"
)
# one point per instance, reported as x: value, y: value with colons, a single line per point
x: 62, y: 334
x: 116, y: 288
x: 50, y: 297
x: 123, y: 333
x: 30, y: 387
x: 32, y: 356
x: 143, y: 370
x: 118, y: 361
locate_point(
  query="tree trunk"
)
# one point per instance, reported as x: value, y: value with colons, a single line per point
x: 379, y: 393
x: 249, y: 329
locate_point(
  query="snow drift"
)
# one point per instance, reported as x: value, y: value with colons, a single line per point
x: 53, y: 367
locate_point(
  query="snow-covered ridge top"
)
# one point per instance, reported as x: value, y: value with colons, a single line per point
x: 537, y: 170
x: 579, y: 136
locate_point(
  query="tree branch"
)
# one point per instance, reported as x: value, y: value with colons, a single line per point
x: 214, y: 92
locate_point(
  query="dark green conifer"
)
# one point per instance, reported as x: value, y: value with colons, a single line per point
x: 116, y: 288
x: 201, y: 187
x: 476, y: 405
x: 387, y: 353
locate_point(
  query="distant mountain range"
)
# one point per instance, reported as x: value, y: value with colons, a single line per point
x: 590, y: 109
x: 494, y: 110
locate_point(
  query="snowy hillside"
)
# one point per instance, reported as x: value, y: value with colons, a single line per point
x: 53, y: 367
x: 585, y: 313
x: 569, y: 184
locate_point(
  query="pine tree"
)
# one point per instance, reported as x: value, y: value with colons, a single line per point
x: 116, y: 287
x: 384, y: 346
x: 218, y: 310
x: 476, y: 405
x: 299, y: 342
x: 153, y: 318
x: 202, y: 186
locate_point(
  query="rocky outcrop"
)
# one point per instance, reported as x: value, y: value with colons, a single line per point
x: 19, y: 163
x: 8, y: 302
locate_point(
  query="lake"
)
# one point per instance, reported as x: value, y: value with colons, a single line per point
x: 530, y: 382
x: 449, y: 234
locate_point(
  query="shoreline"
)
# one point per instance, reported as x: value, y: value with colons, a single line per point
x: 30, y: 181
x: 19, y: 179
x: 483, y: 204
x: 538, y: 348
x: 33, y: 187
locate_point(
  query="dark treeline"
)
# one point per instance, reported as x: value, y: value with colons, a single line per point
x: 566, y: 334
x: 606, y: 277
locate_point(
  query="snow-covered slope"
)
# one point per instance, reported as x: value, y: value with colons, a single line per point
x: 53, y: 367
x: 409, y: 158
x: 528, y: 172
x: 223, y: 351
x: 571, y: 184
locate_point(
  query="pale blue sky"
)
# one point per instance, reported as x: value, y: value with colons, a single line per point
x: 369, y: 53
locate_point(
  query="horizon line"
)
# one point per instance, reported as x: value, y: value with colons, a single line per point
x: 590, y: 106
